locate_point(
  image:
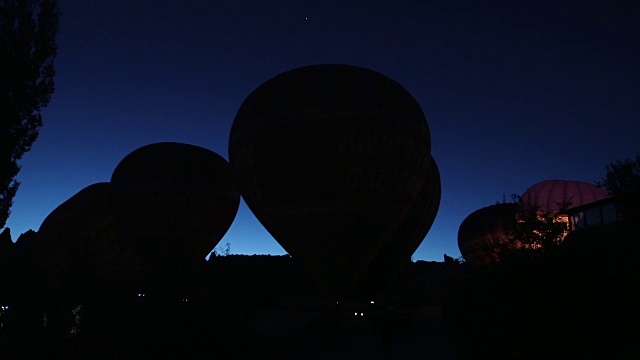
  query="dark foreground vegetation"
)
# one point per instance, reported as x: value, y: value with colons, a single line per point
x: 578, y: 302
x: 233, y: 307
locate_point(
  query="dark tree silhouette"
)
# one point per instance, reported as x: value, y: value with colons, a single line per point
x: 28, y: 30
x: 539, y: 232
x: 622, y: 180
x: 536, y: 232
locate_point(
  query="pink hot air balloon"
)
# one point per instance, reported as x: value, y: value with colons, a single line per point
x: 551, y: 195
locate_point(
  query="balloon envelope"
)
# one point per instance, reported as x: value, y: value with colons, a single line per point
x: 81, y: 242
x: 482, y: 233
x: 396, y: 252
x: 552, y: 195
x: 174, y: 201
x: 329, y: 158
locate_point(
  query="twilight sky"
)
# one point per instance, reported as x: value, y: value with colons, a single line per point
x: 514, y: 92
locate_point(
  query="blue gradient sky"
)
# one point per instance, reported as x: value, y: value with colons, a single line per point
x: 513, y: 94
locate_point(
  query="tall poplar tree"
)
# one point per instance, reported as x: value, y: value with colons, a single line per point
x: 28, y: 30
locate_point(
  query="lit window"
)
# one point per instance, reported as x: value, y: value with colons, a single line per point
x: 577, y: 221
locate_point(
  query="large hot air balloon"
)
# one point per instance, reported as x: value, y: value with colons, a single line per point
x: 174, y: 202
x: 81, y: 248
x: 397, y: 249
x: 332, y: 159
x: 485, y: 231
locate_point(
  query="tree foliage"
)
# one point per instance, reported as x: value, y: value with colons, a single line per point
x: 535, y: 232
x: 622, y: 180
x: 539, y: 232
x: 221, y: 250
x: 28, y: 30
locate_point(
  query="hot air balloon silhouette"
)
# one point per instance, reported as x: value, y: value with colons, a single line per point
x: 82, y: 249
x: 485, y: 231
x: 331, y: 159
x: 174, y: 202
x: 396, y: 251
